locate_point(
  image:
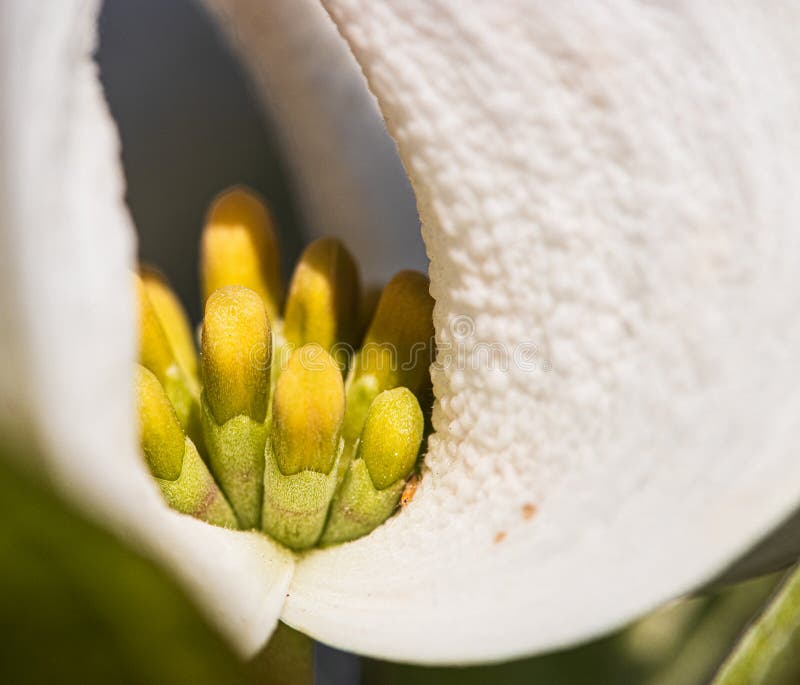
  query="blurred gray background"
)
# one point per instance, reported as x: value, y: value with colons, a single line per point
x: 190, y: 126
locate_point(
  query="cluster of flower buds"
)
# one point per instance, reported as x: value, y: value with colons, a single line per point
x: 284, y: 426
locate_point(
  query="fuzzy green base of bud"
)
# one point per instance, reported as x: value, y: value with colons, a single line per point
x: 296, y: 506
x: 196, y: 493
x: 184, y: 400
x: 359, y: 507
x: 360, y: 393
x: 236, y: 456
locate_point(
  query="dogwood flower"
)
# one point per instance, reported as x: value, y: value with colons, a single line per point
x: 608, y: 196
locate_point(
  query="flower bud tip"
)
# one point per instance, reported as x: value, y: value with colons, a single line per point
x: 161, y: 437
x: 324, y: 297
x: 173, y: 318
x: 236, y: 354
x: 307, y: 412
x: 391, y: 437
x: 155, y: 352
x: 239, y: 247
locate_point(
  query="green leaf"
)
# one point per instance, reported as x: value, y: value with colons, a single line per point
x: 76, y: 606
x: 769, y: 652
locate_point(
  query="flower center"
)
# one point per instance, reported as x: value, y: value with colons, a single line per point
x: 284, y: 425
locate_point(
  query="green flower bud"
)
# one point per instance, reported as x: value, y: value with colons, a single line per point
x: 360, y: 393
x: 181, y: 474
x: 396, y: 352
x: 236, y: 349
x: 375, y: 479
x: 295, y: 507
x: 358, y: 507
x: 324, y: 298
x: 236, y: 457
x: 397, y: 346
x: 239, y: 247
x: 160, y: 433
x: 196, y: 493
x: 304, y: 448
x: 391, y: 437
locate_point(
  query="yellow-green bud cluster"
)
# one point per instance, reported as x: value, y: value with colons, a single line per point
x: 282, y: 426
x: 304, y: 446
x: 158, y: 356
x: 177, y: 467
x: 323, y: 302
x: 386, y: 454
x: 239, y: 247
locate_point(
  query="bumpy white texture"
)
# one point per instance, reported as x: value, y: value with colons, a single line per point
x: 345, y: 170
x: 613, y: 185
x: 67, y: 338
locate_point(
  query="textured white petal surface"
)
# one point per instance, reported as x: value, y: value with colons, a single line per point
x: 67, y: 337
x: 610, y: 191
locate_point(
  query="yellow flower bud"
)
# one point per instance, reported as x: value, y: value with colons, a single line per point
x: 155, y: 352
x: 397, y: 346
x: 236, y: 354
x: 239, y: 247
x: 374, y: 481
x: 157, y: 355
x: 307, y: 412
x: 304, y: 448
x: 324, y: 298
x: 173, y: 319
x: 391, y: 437
x: 160, y: 433
x: 397, y: 349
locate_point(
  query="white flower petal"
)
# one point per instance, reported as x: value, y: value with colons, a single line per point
x: 615, y: 184
x: 68, y: 337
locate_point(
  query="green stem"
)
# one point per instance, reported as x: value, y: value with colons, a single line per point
x: 769, y: 652
x: 288, y: 659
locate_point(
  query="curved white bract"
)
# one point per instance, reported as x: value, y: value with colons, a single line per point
x: 608, y: 192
